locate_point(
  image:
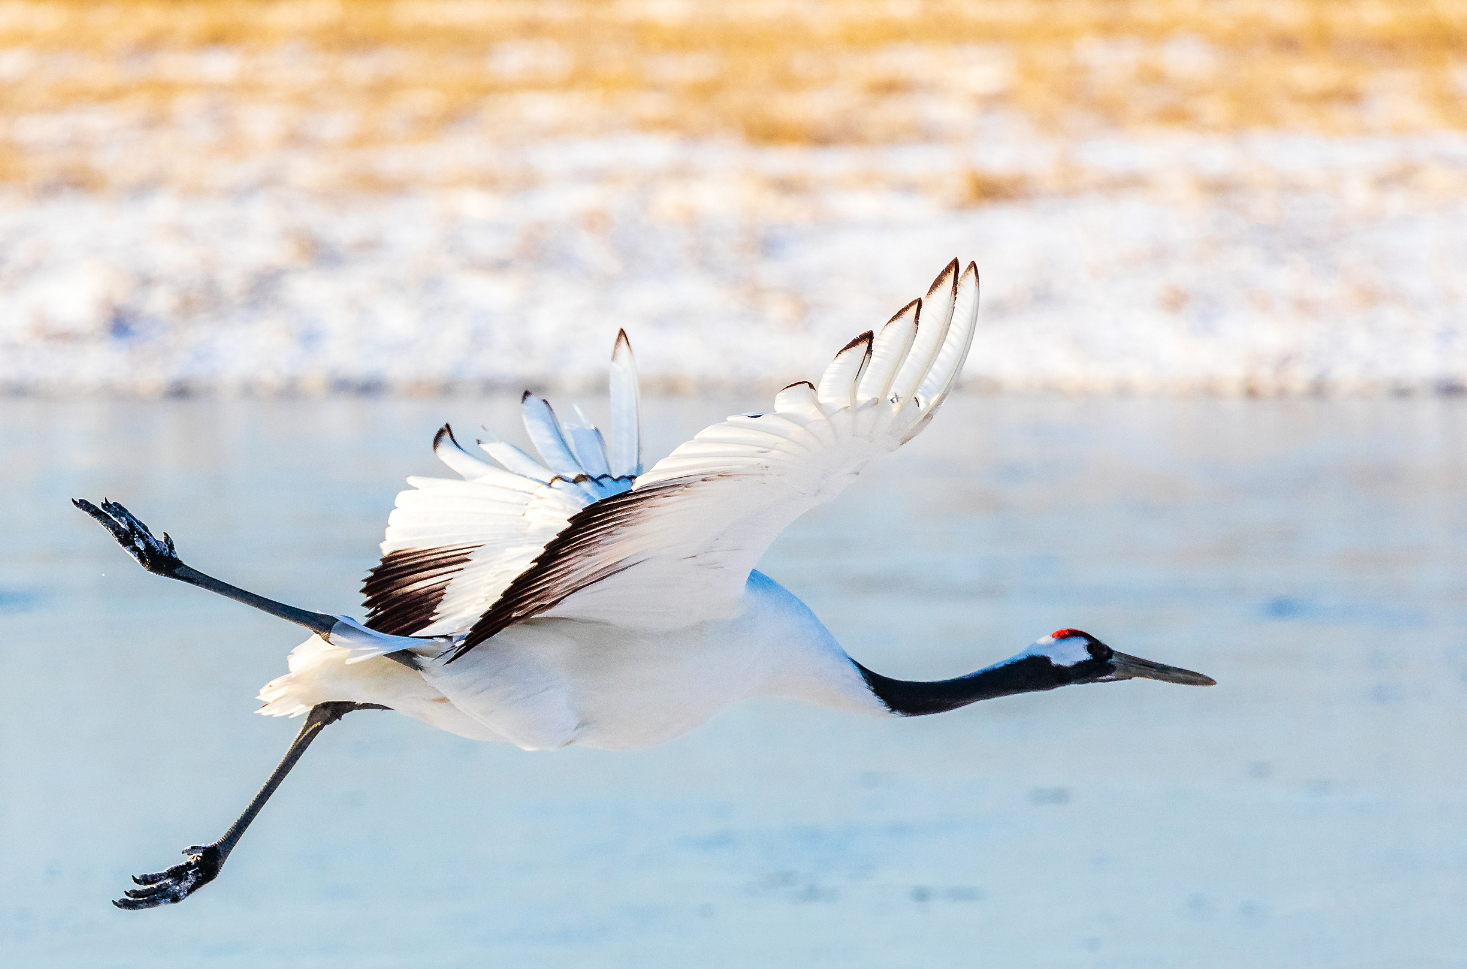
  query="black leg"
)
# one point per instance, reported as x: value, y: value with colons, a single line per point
x: 204, y: 861
x: 161, y: 558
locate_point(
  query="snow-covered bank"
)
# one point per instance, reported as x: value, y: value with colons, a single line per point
x: 1221, y: 264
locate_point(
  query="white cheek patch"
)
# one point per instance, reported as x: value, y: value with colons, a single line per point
x: 1062, y: 652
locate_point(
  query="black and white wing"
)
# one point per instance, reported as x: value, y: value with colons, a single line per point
x: 453, y: 547
x: 678, y: 547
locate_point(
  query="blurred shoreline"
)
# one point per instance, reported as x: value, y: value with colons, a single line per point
x: 1251, y: 264
x: 382, y: 196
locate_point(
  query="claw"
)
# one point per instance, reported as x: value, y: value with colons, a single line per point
x: 158, y: 557
x: 175, y: 884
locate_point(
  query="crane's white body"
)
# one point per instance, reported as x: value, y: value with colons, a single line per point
x: 583, y: 601
x: 549, y: 683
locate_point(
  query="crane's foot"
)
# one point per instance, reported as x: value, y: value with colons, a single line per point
x: 158, y: 557
x: 177, y: 883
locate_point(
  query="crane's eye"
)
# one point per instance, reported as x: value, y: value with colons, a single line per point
x: 1059, y: 634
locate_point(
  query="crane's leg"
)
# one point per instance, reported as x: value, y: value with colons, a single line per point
x: 204, y: 861
x: 160, y: 558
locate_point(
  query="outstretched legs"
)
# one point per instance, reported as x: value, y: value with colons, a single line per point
x: 204, y: 861
x: 161, y: 558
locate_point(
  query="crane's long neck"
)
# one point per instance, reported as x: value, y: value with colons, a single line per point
x: 1022, y: 674
x: 1063, y: 657
x: 808, y: 664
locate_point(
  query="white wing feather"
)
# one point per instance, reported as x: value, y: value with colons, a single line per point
x: 534, y: 538
x: 678, y: 548
x: 452, y: 547
x: 626, y: 406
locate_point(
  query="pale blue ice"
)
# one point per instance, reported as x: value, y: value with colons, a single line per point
x: 1310, y: 810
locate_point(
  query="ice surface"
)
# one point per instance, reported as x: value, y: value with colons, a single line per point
x: 1256, y: 263
x: 1309, y: 810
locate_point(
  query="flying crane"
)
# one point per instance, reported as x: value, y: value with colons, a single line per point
x: 580, y: 599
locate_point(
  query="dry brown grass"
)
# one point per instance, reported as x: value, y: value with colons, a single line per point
x: 252, y: 78
x: 981, y: 187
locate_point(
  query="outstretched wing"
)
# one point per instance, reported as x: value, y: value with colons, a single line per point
x: 453, y: 547
x: 679, y: 546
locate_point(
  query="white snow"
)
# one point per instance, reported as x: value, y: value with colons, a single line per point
x: 1258, y: 263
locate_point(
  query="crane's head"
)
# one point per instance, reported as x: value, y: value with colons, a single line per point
x: 1063, y: 658
x: 1079, y: 657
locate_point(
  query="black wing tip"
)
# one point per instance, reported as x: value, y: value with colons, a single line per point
x: 530, y: 395
x: 948, y: 277
x: 622, y: 340
x: 865, y: 338
x: 796, y: 384
x: 445, y: 431
x: 914, y: 307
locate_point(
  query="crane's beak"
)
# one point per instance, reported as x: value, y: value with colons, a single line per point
x: 1131, y: 667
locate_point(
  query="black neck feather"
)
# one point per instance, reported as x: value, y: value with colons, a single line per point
x: 1031, y: 674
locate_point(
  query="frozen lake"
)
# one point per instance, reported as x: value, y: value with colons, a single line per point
x: 1309, y: 810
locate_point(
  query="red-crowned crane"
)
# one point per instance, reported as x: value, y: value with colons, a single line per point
x: 578, y: 599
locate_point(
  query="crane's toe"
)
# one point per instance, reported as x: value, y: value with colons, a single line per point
x: 175, y: 884
x: 104, y: 519
x: 156, y: 555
